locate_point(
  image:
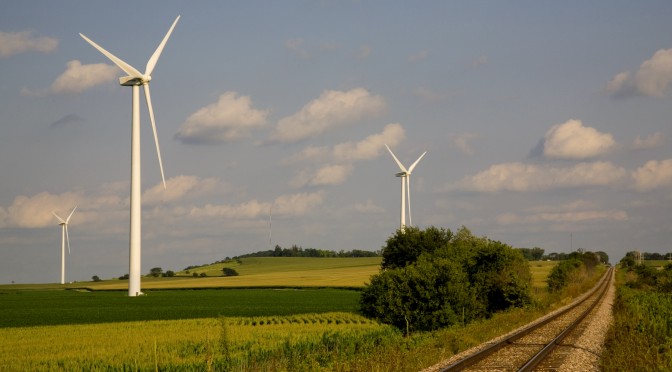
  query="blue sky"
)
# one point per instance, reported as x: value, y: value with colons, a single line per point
x: 545, y: 124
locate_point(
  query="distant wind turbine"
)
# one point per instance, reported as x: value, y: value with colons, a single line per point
x: 64, y: 238
x: 405, y: 176
x: 135, y: 79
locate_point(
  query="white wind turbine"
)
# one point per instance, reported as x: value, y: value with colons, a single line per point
x: 64, y: 238
x: 135, y: 79
x: 405, y: 176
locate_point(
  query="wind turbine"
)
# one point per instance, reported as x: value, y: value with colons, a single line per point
x: 405, y: 176
x: 64, y: 238
x: 135, y: 79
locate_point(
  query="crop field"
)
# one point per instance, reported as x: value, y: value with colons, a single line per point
x: 37, y: 308
x: 264, y: 324
x: 267, y: 272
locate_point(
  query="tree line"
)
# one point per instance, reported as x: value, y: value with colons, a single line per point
x: 298, y: 251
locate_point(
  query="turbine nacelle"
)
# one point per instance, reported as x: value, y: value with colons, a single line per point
x: 134, y: 80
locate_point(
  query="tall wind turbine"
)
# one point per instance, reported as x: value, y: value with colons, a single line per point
x: 135, y: 79
x: 64, y: 238
x: 405, y: 176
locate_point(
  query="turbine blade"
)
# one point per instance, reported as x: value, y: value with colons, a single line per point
x: 401, y: 166
x: 57, y: 216
x: 73, y: 211
x: 408, y: 199
x: 416, y: 163
x: 155, y: 57
x: 67, y: 238
x: 156, y: 138
x: 122, y: 65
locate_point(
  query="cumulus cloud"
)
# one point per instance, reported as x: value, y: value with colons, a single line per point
x: 571, y: 140
x: 463, y: 142
x: 12, y: 43
x: 78, y: 77
x: 332, y: 109
x: 651, y: 79
x: 341, y: 157
x: 35, y: 211
x: 332, y: 174
x: 649, y: 142
x: 652, y: 175
x: 561, y: 217
x: 369, y: 148
x: 369, y: 207
x: 181, y: 187
x: 528, y: 177
x: 230, y: 119
x: 285, y: 205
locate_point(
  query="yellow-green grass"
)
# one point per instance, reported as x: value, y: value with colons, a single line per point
x: 191, y: 343
x: 540, y: 271
x: 267, y: 272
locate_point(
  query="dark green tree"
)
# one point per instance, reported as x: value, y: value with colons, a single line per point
x: 156, y: 272
x: 404, y: 247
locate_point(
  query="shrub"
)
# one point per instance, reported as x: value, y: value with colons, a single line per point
x: 560, y: 275
x: 229, y: 271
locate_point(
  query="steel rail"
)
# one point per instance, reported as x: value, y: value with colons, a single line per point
x: 484, y: 353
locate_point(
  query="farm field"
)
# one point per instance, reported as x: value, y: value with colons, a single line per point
x: 261, y: 272
x: 264, y: 328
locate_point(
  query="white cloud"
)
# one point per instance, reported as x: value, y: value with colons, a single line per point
x: 332, y: 109
x: 285, y: 205
x: 78, y: 77
x: 652, y: 141
x: 181, y: 187
x: 231, y: 118
x: 574, y: 211
x: 652, y: 79
x: 462, y: 142
x: 652, y: 175
x: 369, y: 207
x: 572, y: 140
x: 35, y: 211
x: 369, y: 148
x: 12, y: 43
x: 528, y: 177
x: 332, y: 174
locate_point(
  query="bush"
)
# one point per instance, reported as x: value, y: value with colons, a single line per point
x: 229, y: 271
x: 452, y: 280
x: 560, y: 275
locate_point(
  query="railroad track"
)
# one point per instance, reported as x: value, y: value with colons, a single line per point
x: 541, y: 344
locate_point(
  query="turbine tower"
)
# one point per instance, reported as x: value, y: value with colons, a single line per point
x: 64, y: 238
x: 135, y: 79
x: 405, y: 176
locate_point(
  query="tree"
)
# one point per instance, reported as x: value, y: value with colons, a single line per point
x: 169, y: 273
x: 156, y: 272
x: 95, y: 278
x: 435, y: 279
x: 404, y: 247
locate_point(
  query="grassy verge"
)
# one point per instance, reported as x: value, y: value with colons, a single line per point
x: 641, y: 337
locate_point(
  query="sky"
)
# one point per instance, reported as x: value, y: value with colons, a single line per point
x: 546, y: 124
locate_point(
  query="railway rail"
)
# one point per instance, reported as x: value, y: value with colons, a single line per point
x: 535, y: 346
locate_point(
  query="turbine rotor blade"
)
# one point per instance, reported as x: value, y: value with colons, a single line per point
x: 67, y: 238
x: 156, y: 138
x: 416, y: 162
x: 401, y: 166
x: 155, y: 57
x: 117, y: 61
x: 73, y: 211
x: 57, y: 216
